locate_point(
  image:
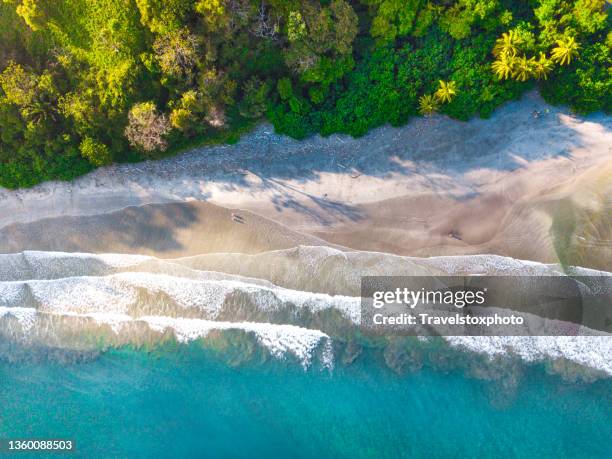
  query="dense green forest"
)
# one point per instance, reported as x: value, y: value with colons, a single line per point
x: 84, y: 83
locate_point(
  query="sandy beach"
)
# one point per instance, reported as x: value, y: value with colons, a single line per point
x: 533, y: 182
x: 243, y: 237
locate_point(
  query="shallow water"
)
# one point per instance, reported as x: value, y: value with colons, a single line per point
x: 231, y: 355
x: 186, y: 401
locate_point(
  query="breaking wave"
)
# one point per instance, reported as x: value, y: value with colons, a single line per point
x: 299, y: 304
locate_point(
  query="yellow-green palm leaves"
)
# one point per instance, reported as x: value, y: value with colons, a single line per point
x: 507, y: 44
x: 542, y: 67
x: 446, y: 91
x: 503, y: 67
x: 428, y: 104
x: 566, y: 49
x: 512, y: 61
x: 523, y: 68
x: 506, y: 49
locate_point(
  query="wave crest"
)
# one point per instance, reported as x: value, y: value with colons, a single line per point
x: 300, y: 303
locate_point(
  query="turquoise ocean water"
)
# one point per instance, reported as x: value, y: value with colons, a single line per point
x: 138, y: 357
x: 184, y: 401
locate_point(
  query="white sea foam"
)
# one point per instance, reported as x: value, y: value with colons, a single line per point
x: 593, y: 352
x: 492, y: 265
x: 128, y: 295
x: 328, y: 270
x: 280, y: 340
x: 25, y: 316
x: 119, y: 293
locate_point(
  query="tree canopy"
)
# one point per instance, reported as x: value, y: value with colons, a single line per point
x: 84, y: 83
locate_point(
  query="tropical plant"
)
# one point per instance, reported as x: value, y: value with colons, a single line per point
x: 176, y: 52
x: 428, y: 104
x: 95, y: 152
x: 18, y: 85
x: 392, y: 18
x: 446, y: 91
x: 181, y: 119
x: 147, y: 128
x: 507, y: 44
x: 566, y: 49
x: 542, y: 67
x: 523, y: 68
x: 254, y: 101
x: 73, y: 71
x: 503, y: 67
x: 40, y: 110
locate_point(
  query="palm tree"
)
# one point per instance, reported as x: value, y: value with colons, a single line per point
x: 507, y: 44
x: 523, y: 68
x: 565, y: 50
x: 446, y: 91
x: 40, y: 110
x: 504, y: 66
x: 428, y: 104
x: 542, y: 67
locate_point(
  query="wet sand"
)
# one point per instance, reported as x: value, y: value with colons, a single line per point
x: 162, y: 230
x: 569, y: 223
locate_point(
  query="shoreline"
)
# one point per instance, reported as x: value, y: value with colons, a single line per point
x: 433, y: 187
x: 61, y: 300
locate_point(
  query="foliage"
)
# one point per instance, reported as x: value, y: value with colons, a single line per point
x: 320, y: 42
x: 253, y: 104
x: 428, y: 104
x: 446, y: 92
x: 177, y: 53
x: 164, y: 16
x: 96, y: 153
x: 147, y: 128
x: 586, y: 84
x: 566, y: 49
x: 393, y: 18
x: 74, y: 73
x: 463, y: 16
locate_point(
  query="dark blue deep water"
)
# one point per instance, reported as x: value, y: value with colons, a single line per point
x: 186, y: 402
